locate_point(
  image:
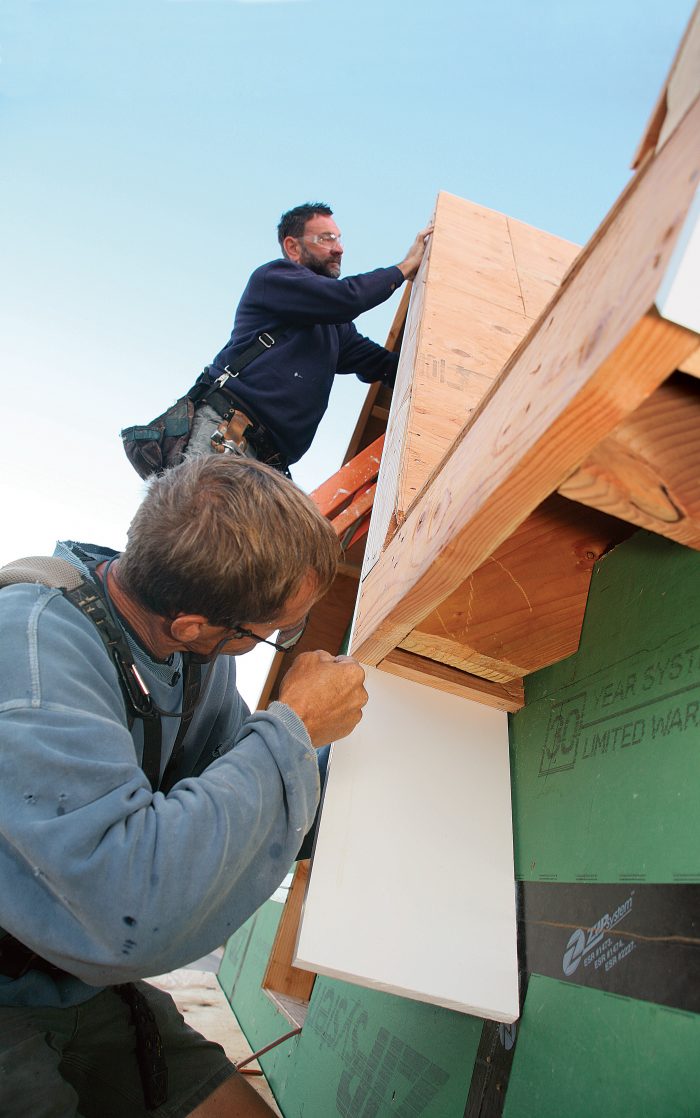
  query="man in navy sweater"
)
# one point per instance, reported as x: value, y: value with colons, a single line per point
x: 304, y: 312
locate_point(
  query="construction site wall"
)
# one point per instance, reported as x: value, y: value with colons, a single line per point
x: 606, y: 806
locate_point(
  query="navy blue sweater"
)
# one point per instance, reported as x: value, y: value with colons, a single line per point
x: 287, y: 387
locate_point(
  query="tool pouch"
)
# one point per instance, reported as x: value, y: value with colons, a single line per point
x: 161, y: 443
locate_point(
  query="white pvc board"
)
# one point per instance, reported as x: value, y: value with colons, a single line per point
x: 411, y: 888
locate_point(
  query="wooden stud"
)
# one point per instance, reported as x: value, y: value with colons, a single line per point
x: 281, y: 976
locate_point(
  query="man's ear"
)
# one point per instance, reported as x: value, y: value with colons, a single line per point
x: 188, y: 627
x: 291, y: 249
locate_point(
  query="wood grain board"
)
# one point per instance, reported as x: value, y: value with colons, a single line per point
x: 648, y: 470
x: 595, y: 356
x: 483, y: 282
x: 523, y: 608
x: 282, y: 977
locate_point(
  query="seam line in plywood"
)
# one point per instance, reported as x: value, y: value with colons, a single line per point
x: 515, y: 266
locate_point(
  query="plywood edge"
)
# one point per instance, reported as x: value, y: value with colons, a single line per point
x: 385, y: 513
x: 508, y: 696
x: 369, y: 408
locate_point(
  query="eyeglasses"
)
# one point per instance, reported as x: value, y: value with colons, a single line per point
x: 288, y: 637
x: 324, y: 238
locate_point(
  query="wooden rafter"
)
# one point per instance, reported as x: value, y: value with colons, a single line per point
x: 648, y: 470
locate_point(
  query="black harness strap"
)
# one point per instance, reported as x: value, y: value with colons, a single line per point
x: 204, y: 386
x: 191, y: 683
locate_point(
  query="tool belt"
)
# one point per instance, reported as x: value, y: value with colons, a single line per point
x: 238, y: 429
x: 162, y: 443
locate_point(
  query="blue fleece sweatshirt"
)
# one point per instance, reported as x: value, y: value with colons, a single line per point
x: 98, y: 874
x: 287, y: 387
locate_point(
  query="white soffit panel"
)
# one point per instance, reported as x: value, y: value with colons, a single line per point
x: 411, y: 888
x: 678, y: 298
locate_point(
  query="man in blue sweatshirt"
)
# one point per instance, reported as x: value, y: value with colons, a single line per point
x: 108, y: 875
x: 303, y: 313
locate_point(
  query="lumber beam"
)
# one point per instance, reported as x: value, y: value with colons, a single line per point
x: 648, y: 471
x: 523, y: 608
x: 594, y: 357
x: 506, y: 695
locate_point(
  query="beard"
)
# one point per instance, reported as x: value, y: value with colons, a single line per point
x: 329, y: 267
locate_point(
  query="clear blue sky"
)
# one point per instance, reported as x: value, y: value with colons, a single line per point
x: 148, y: 149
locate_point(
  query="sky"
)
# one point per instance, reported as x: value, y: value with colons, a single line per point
x: 147, y: 150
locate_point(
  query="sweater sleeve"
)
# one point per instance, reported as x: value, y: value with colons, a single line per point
x: 97, y: 873
x: 293, y: 293
x: 368, y: 360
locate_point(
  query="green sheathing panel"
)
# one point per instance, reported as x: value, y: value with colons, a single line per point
x: 606, y: 757
x: 361, y: 1054
x: 364, y: 1054
x: 242, y: 971
x: 583, y: 1052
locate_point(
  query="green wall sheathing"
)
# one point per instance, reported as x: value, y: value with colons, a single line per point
x: 583, y: 1052
x: 606, y: 764
x: 362, y: 1054
x: 241, y: 974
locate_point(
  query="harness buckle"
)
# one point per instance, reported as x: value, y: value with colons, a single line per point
x: 266, y: 339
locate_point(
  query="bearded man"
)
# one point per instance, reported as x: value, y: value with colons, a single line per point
x: 293, y: 332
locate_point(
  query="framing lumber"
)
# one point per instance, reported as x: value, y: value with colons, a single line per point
x: 648, y: 470
x: 508, y: 696
x: 594, y: 357
x: 281, y: 976
x: 523, y: 608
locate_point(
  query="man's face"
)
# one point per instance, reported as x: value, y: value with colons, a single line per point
x: 291, y: 615
x: 316, y: 250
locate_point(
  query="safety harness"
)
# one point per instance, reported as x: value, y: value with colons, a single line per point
x: 87, y: 595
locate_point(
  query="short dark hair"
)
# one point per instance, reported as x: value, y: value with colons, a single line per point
x: 228, y: 538
x: 293, y: 222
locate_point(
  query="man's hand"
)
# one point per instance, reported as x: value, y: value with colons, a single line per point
x: 409, y: 265
x: 327, y: 693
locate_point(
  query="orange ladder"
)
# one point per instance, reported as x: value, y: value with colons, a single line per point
x: 347, y: 497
